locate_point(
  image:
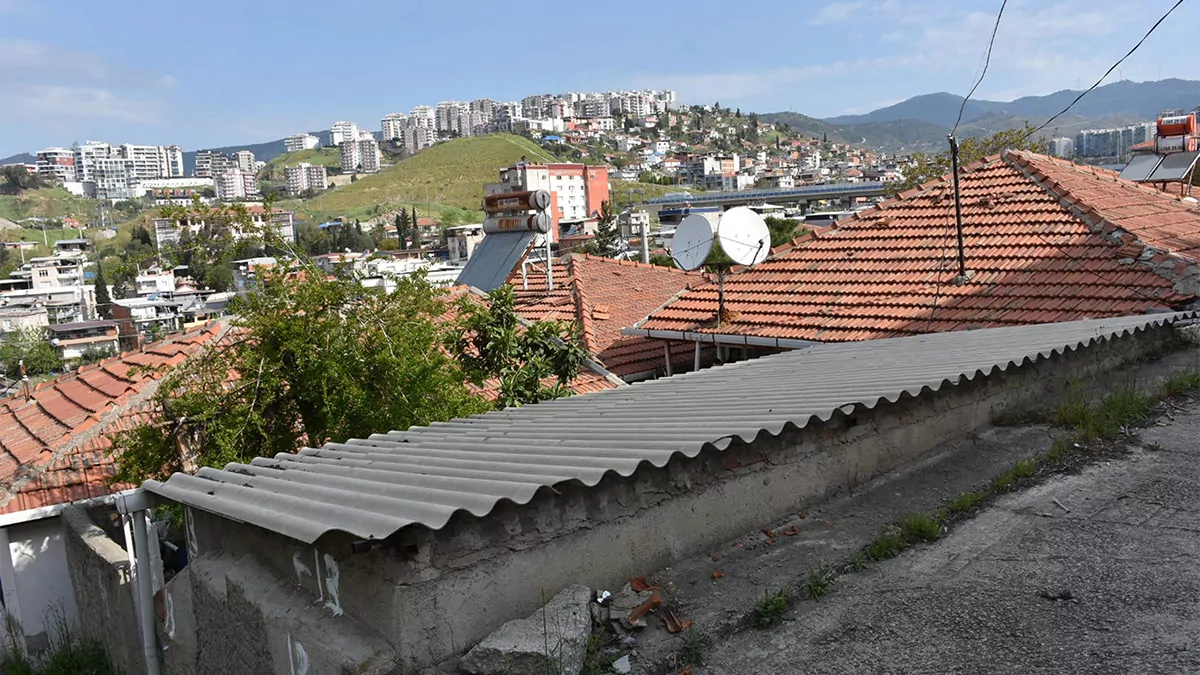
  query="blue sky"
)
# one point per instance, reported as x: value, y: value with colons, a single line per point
x: 224, y: 72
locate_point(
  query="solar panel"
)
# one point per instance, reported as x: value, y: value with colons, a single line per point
x: 1140, y: 167
x: 495, y: 258
x: 1175, y: 166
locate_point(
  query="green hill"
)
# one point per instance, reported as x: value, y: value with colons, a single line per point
x: 450, y: 174
x: 315, y: 156
x: 46, y: 202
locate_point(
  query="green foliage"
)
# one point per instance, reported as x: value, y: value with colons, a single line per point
x: 93, y: 354
x: 312, y: 360
x: 816, y: 584
x: 18, y: 178
x: 608, y: 239
x: 533, y: 362
x: 1182, y: 382
x: 966, y: 502
x: 770, y: 608
x: 970, y: 150
x: 1105, y: 418
x: 103, y: 300
x: 919, y: 527
x: 784, y: 230
x: 662, y: 260
x: 31, y: 346
x: 692, y: 648
x: 887, y: 545
x: 68, y: 655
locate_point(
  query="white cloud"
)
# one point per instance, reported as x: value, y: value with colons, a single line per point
x: 62, y: 102
x: 47, y: 84
x: 836, y: 12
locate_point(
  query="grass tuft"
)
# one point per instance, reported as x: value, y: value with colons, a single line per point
x: 887, y: 545
x: 770, y: 608
x: 966, y: 502
x: 1106, y: 418
x: 691, y: 648
x: 1182, y: 382
x: 816, y: 585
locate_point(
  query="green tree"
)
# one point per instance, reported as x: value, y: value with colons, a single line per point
x: 531, y: 362
x: 662, y: 260
x: 18, y: 178
x: 141, y: 235
x: 30, y: 346
x: 103, y: 300
x: 312, y: 360
x: 403, y: 228
x: 609, y: 242
x: 928, y: 167
x: 783, y: 230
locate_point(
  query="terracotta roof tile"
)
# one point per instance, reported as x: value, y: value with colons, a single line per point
x: 53, y: 447
x: 603, y: 296
x: 1044, y: 240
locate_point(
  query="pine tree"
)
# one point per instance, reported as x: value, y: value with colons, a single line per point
x: 608, y: 232
x: 103, y: 301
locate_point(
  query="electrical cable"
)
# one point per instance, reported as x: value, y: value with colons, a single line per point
x: 1107, y: 72
x: 987, y: 59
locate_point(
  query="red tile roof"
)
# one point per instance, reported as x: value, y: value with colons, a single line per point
x: 1045, y: 241
x: 586, y: 380
x: 603, y: 296
x: 54, y: 447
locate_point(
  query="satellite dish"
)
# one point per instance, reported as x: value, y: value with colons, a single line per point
x: 693, y: 241
x: 744, y: 236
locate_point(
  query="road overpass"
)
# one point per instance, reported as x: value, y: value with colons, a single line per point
x: 805, y: 193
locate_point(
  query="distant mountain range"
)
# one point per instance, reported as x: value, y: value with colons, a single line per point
x: 19, y: 158
x: 922, y: 122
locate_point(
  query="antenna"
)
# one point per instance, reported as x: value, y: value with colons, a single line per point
x: 744, y: 236
x: 692, y: 242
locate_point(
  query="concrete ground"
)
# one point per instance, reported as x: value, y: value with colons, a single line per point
x: 1097, y: 572
x: 1103, y: 583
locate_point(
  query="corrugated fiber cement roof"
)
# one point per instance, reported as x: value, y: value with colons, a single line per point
x: 373, y: 487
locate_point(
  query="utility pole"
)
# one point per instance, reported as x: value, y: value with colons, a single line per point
x: 958, y: 224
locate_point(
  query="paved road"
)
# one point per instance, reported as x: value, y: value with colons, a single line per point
x: 1125, y: 560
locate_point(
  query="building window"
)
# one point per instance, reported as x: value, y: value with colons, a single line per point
x: 43, y: 273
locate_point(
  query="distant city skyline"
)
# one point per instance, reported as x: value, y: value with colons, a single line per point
x: 123, y: 74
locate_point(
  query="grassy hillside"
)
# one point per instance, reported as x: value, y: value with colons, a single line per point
x: 48, y: 202
x: 315, y: 156
x: 452, y: 174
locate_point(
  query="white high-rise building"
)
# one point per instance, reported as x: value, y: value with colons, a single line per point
x: 148, y: 161
x: 418, y: 138
x: 56, y: 163
x: 340, y: 132
x: 114, y: 177
x: 233, y: 183
x: 298, y: 142
x: 244, y: 160
x: 369, y: 155
x: 304, y: 176
x: 174, y: 157
x: 361, y: 156
x: 393, y: 126
x: 86, y: 156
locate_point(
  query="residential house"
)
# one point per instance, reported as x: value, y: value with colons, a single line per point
x: 602, y: 296
x: 1044, y: 241
x: 85, y: 338
x: 167, y: 232
x: 55, y: 444
x: 14, y: 319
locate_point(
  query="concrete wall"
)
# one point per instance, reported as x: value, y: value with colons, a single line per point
x: 103, y: 590
x: 39, y: 560
x: 430, y: 595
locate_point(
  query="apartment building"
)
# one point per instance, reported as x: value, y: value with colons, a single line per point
x: 244, y: 160
x: 114, y: 177
x: 304, y: 176
x: 56, y: 164
x: 423, y: 116
x: 393, y: 126
x: 1062, y: 147
x: 86, y: 156
x: 1113, y: 142
x: 168, y: 232
x: 209, y: 163
x: 576, y: 190
x: 233, y: 183
x: 342, y: 132
x: 298, y: 142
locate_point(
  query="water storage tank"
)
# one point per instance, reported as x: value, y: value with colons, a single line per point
x: 1178, y: 125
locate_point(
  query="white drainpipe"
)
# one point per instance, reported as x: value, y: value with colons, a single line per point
x: 133, y: 511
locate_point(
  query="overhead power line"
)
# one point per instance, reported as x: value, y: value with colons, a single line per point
x: 1109, y: 71
x: 987, y: 59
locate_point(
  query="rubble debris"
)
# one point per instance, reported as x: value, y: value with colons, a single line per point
x: 638, y: 584
x: 791, y: 531
x: 629, y: 607
x: 718, y: 575
x: 622, y: 665
x: 554, y: 637
x: 672, y: 622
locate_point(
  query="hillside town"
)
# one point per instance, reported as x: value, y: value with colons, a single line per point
x: 602, y: 382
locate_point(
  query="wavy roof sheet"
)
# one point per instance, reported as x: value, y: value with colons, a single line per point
x: 373, y: 487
